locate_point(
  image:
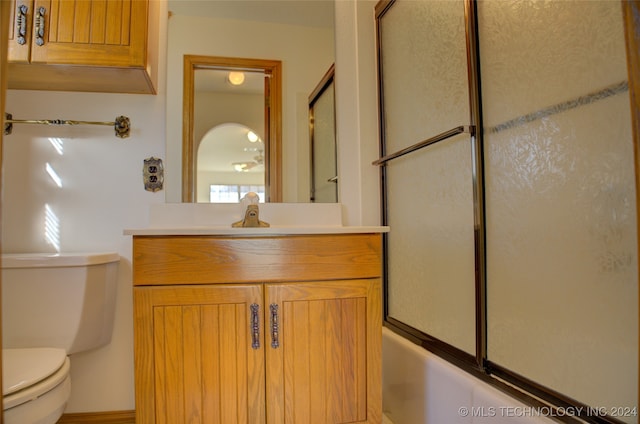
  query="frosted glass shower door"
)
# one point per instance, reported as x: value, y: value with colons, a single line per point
x: 429, y: 192
x: 562, y: 283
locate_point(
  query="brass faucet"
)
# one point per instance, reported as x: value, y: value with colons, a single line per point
x: 251, y: 214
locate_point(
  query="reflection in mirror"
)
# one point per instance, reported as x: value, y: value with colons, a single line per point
x: 230, y: 164
x: 228, y: 132
x: 299, y: 34
x: 322, y: 127
x: 245, y: 92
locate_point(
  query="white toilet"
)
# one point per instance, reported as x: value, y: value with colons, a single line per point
x: 53, y: 305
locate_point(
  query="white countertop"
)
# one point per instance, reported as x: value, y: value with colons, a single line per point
x: 268, y: 231
x: 176, y: 219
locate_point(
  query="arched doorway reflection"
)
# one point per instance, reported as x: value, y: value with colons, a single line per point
x: 230, y: 163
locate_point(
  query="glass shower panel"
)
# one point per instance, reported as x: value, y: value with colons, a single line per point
x: 424, y: 71
x: 424, y: 80
x: 430, y: 251
x: 562, y: 283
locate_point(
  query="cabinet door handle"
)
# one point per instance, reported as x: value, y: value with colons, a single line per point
x: 274, y: 325
x: 255, y: 326
x: 40, y: 21
x: 21, y: 24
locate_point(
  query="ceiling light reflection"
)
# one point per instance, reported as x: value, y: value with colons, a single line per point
x: 253, y: 137
x: 236, y: 78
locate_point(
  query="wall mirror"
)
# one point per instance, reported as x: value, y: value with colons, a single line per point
x: 231, y: 140
x: 216, y: 37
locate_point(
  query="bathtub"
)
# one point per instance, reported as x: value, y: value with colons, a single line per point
x: 419, y: 387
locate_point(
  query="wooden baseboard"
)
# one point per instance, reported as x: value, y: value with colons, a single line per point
x: 107, y: 417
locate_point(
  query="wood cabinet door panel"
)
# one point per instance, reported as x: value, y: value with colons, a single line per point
x: 325, y: 369
x: 203, y: 368
x: 99, y: 33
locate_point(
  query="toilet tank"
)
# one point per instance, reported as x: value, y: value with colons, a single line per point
x: 58, y: 300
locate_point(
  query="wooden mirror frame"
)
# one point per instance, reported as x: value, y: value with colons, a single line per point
x: 273, y: 115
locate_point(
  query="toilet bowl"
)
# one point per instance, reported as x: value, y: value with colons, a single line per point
x: 65, y: 302
x: 36, y: 384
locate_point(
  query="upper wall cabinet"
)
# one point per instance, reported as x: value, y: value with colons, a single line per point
x: 88, y: 45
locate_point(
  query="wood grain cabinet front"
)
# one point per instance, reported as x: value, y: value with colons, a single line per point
x: 194, y: 356
x: 278, y: 351
x: 88, y: 45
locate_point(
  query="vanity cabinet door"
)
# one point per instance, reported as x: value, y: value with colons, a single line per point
x: 199, y: 356
x: 323, y: 352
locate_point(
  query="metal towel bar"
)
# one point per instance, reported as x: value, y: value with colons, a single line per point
x: 121, y: 125
x: 442, y: 136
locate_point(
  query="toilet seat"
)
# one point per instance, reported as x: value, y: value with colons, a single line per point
x: 30, y: 373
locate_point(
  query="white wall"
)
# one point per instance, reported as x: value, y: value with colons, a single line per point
x: 357, y: 112
x: 102, y: 193
x: 212, y: 109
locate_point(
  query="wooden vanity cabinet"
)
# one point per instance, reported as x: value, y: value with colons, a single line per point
x: 88, y: 45
x: 194, y: 360
x: 273, y: 329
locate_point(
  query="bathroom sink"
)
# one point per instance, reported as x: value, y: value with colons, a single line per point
x: 224, y: 214
x: 216, y: 218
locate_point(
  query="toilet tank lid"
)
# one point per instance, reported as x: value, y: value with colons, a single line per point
x: 35, y: 260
